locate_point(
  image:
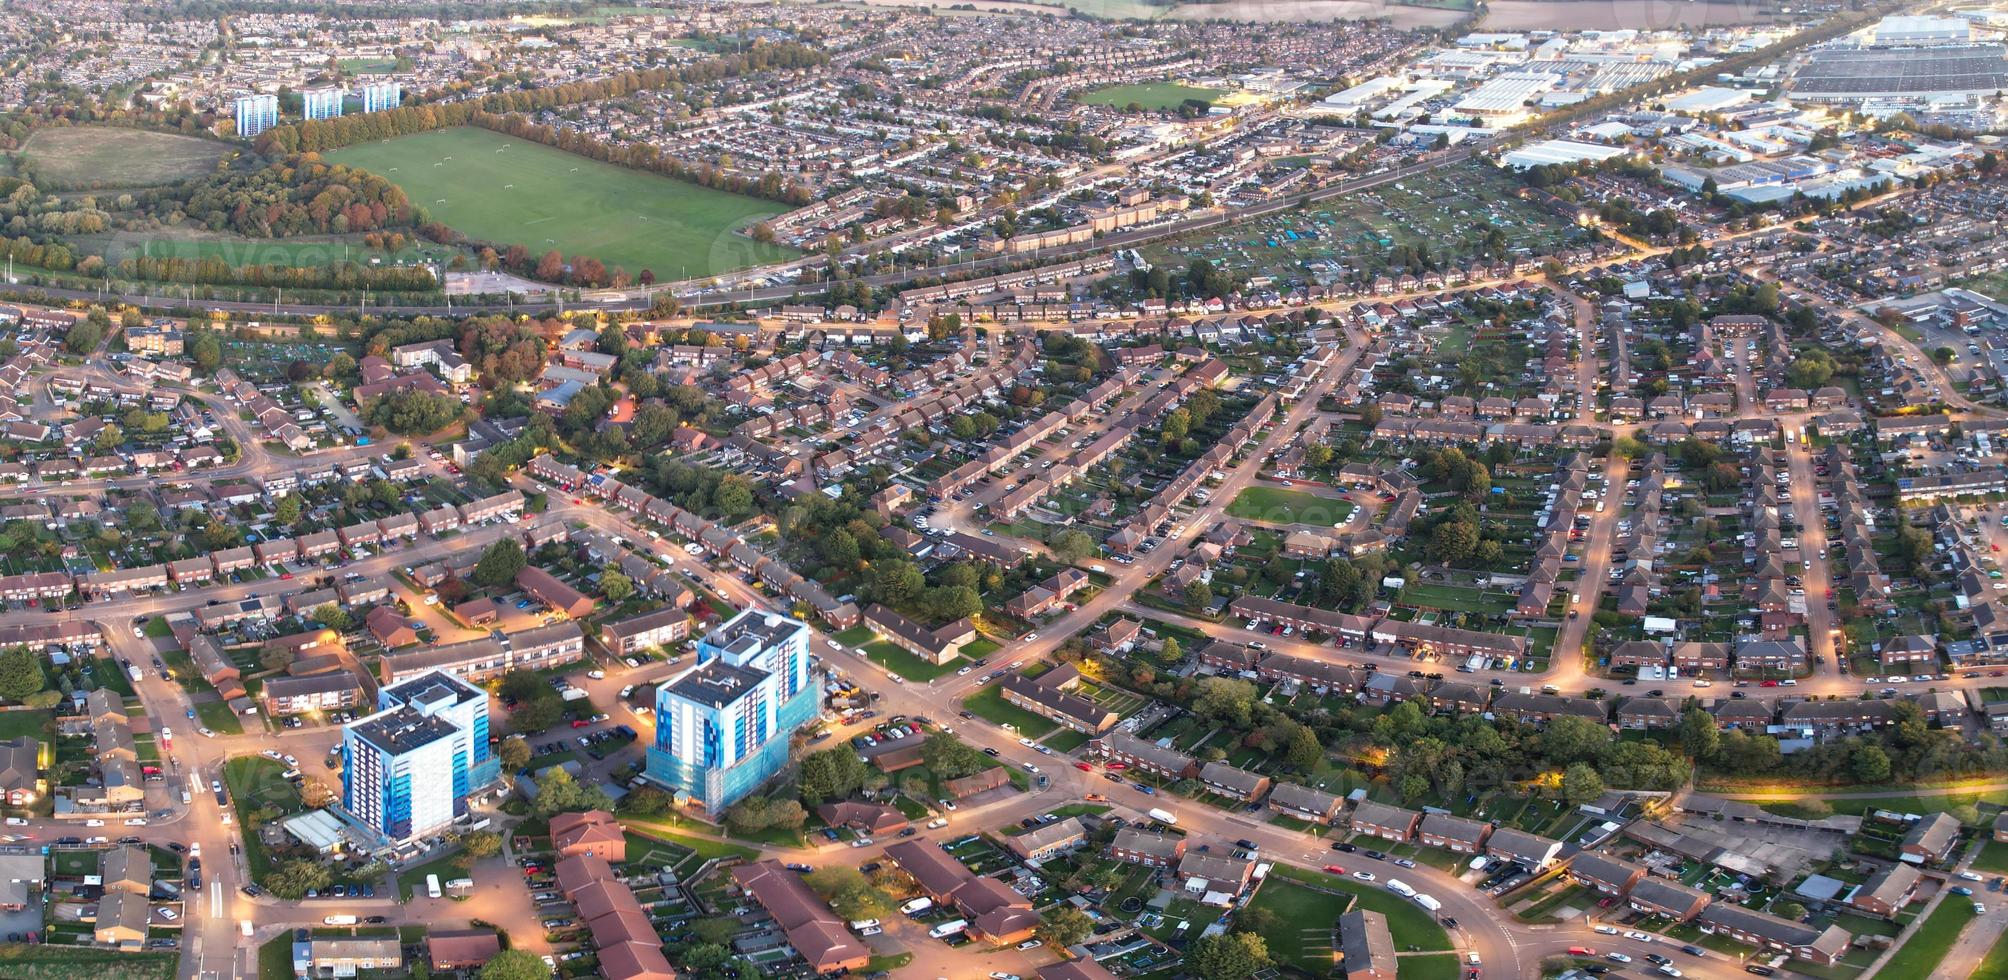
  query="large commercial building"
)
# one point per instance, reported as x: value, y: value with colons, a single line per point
x: 256, y: 114
x: 321, y: 103
x: 722, y: 725
x: 379, y: 96
x: 408, y: 770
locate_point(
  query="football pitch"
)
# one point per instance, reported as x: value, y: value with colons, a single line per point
x: 509, y: 191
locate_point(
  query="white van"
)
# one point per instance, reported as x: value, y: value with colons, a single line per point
x: 863, y: 924
x: 1429, y: 903
x: 339, y: 920
x: 1395, y: 885
x: 917, y: 906
x: 947, y: 929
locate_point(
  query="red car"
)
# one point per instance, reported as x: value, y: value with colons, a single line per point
x: 286, y: 575
x: 1117, y: 766
x: 1581, y: 951
x: 1334, y: 869
x: 580, y: 723
x: 1769, y: 684
x: 1084, y: 767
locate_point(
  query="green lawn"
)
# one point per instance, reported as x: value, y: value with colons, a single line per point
x: 23, y: 962
x: 906, y: 664
x: 26, y: 721
x: 1406, y: 920
x: 1930, y: 940
x: 117, y: 156
x: 1434, y: 966
x: 988, y: 703
x: 1993, y: 857
x: 1302, y: 934
x: 253, y: 782
x: 1280, y: 506
x: 1149, y: 95
x: 505, y: 190
x: 217, y: 716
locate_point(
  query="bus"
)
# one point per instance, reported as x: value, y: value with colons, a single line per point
x: 432, y: 885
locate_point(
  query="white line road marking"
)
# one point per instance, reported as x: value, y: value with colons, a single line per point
x: 216, y: 899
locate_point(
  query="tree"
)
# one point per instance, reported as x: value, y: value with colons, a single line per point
x: 1303, y: 751
x: 1453, y: 541
x: 615, y: 586
x: 413, y: 411
x: 21, y: 675
x: 514, y: 964
x: 952, y: 758
x: 1228, y: 956
x: 276, y: 657
x: 850, y: 894
x: 647, y: 801
x: 558, y: 792
x: 1225, y: 699
x: 1870, y: 764
x: 315, y: 794
x: 1198, y: 595
x: 1072, y: 545
x: 1788, y: 909
x: 1581, y: 784
x: 500, y: 563
x: 1065, y: 926
x: 1698, y: 734
x: 206, y: 350
x: 514, y: 753
x: 294, y: 878
x: 831, y: 774
x: 481, y: 843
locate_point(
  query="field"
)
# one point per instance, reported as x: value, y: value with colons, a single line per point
x: 1289, y: 507
x: 1150, y: 95
x: 1302, y: 933
x: 1995, y: 966
x: 1931, y: 940
x: 295, y: 252
x: 20, y: 962
x: 107, y: 156
x: 498, y: 189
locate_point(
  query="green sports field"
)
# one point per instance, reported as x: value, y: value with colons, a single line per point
x: 1151, y: 95
x: 114, y: 156
x: 500, y: 189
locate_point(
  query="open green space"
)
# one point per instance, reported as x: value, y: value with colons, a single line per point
x: 218, y: 717
x: 500, y: 189
x: 1901, y: 803
x: 1919, y: 955
x: 115, y: 156
x: 1434, y: 966
x: 906, y: 664
x: 988, y: 703
x: 1280, y: 506
x: 189, y: 243
x: 1301, y: 934
x: 1149, y: 95
x: 1406, y: 921
x: 1993, y: 857
x: 26, y: 721
x: 369, y: 66
x: 19, y: 961
x: 255, y: 782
